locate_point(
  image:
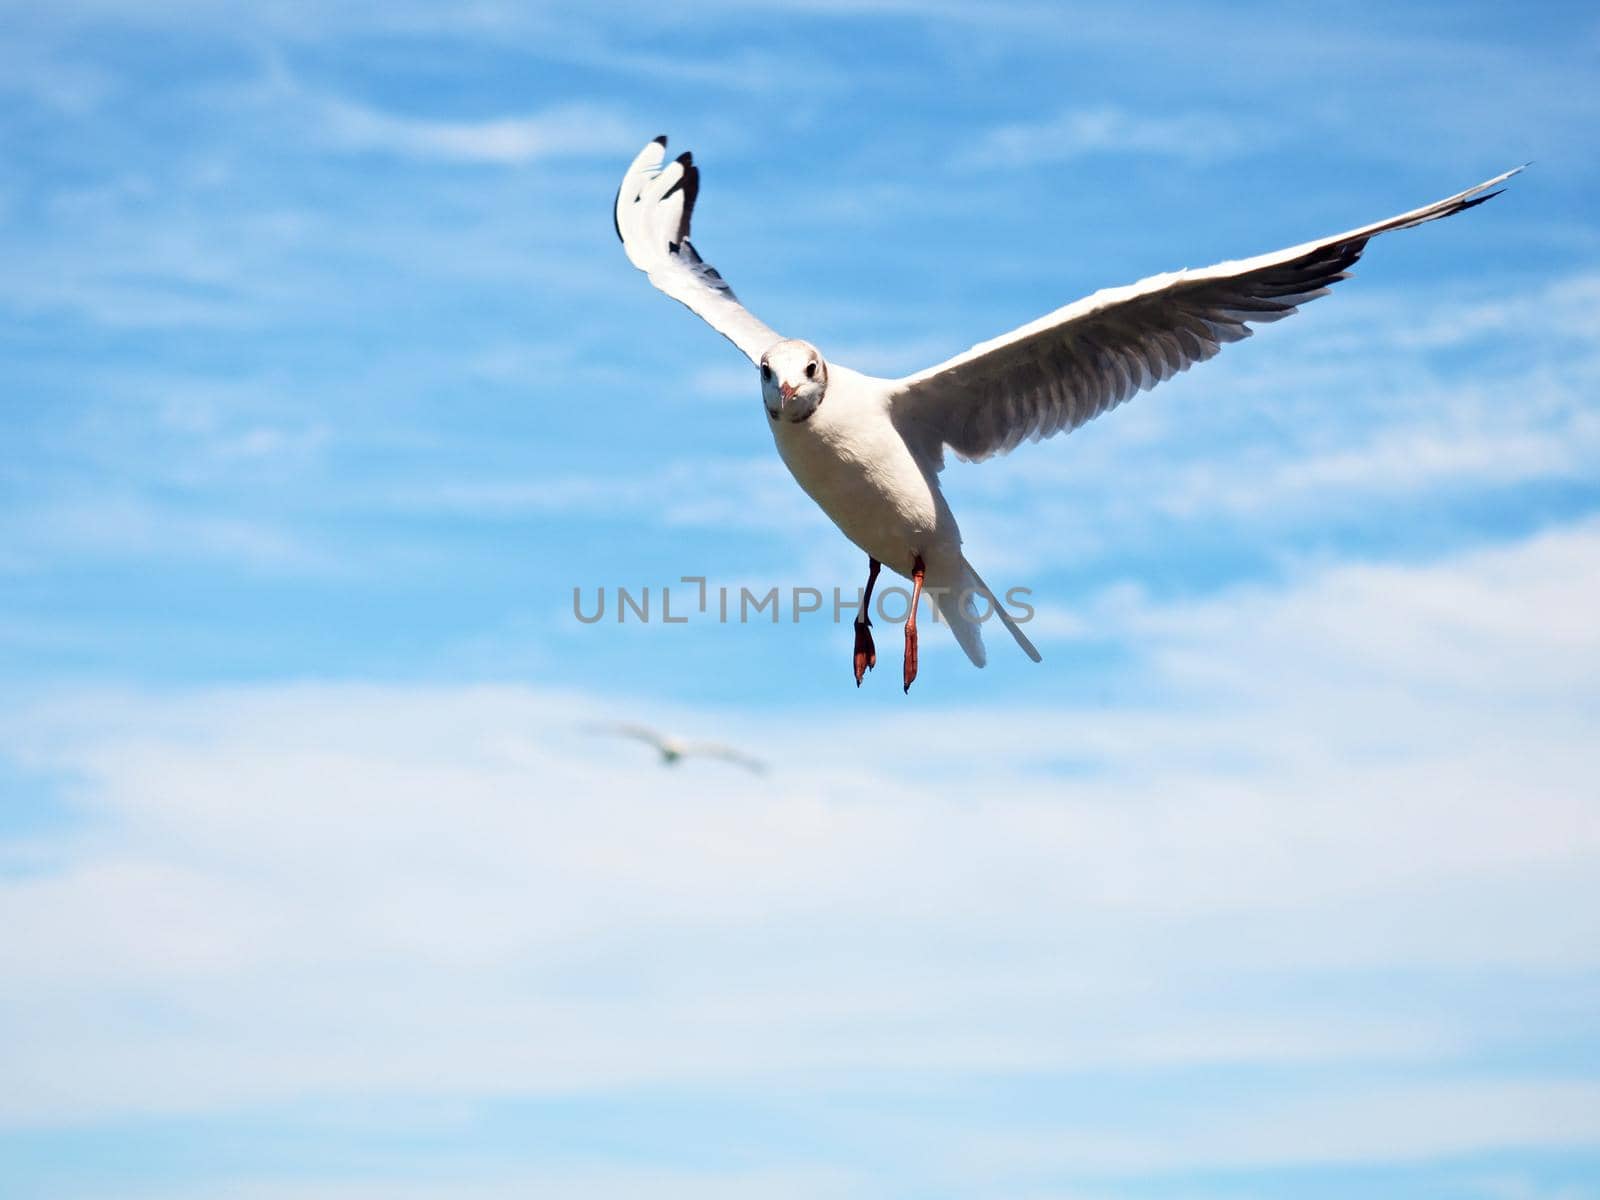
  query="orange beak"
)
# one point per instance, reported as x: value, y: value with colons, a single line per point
x: 786, y: 390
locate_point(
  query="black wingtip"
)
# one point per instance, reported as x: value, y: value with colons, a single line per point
x: 684, y: 176
x: 691, y: 192
x: 1476, y: 200
x: 660, y: 140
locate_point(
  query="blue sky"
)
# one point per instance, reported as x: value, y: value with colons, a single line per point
x: 325, y: 382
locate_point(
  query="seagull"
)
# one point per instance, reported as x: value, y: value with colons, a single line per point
x: 674, y: 750
x: 869, y: 451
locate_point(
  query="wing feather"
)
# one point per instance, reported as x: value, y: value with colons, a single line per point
x: 654, y: 207
x: 1068, y: 367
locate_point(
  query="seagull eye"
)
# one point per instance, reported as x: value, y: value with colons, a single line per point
x: 766, y: 371
x: 811, y: 370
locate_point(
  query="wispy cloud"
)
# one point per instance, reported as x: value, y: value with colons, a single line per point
x: 1519, y: 609
x: 751, y: 493
x: 1379, y: 1124
x: 572, y: 1182
x: 52, y: 80
x: 565, y: 131
x: 121, y: 526
x: 1195, y: 138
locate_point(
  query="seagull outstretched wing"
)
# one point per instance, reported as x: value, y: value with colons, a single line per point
x: 628, y: 729
x: 726, y: 754
x: 654, y: 206
x: 1071, y: 365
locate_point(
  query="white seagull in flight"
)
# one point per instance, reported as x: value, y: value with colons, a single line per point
x: 869, y: 451
x: 674, y: 750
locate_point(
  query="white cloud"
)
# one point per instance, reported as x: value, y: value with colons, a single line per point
x: 1380, y: 768
x: 1561, y: 308
x: 573, y: 1183
x: 567, y: 131
x: 1195, y: 138
x: 1377, y: 1125
x: 118, y: 525
x: 1480, y: 624
x: 1510, y: 1186
x: 731, y: 493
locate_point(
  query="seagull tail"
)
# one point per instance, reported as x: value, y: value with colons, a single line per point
x: 956, y: 608
x: 968, y: 631
x: 976, y: 586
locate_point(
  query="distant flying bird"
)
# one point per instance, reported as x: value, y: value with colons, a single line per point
x: 869, y: 451
x: 674, y: 750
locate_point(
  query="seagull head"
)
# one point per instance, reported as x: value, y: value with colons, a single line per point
x: 794, y: 378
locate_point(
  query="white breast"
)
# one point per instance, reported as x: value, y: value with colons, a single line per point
x: 850, y: 459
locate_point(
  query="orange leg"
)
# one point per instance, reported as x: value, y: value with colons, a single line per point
x: 911, y: 621
x: 866, y: 653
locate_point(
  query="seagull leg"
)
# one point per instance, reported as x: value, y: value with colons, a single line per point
x: 866, y: 653
x: 911, y: 621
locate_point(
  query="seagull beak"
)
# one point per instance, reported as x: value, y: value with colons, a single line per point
x: 786, y: 390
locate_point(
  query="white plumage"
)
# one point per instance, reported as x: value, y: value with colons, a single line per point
x: 869, y: 450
